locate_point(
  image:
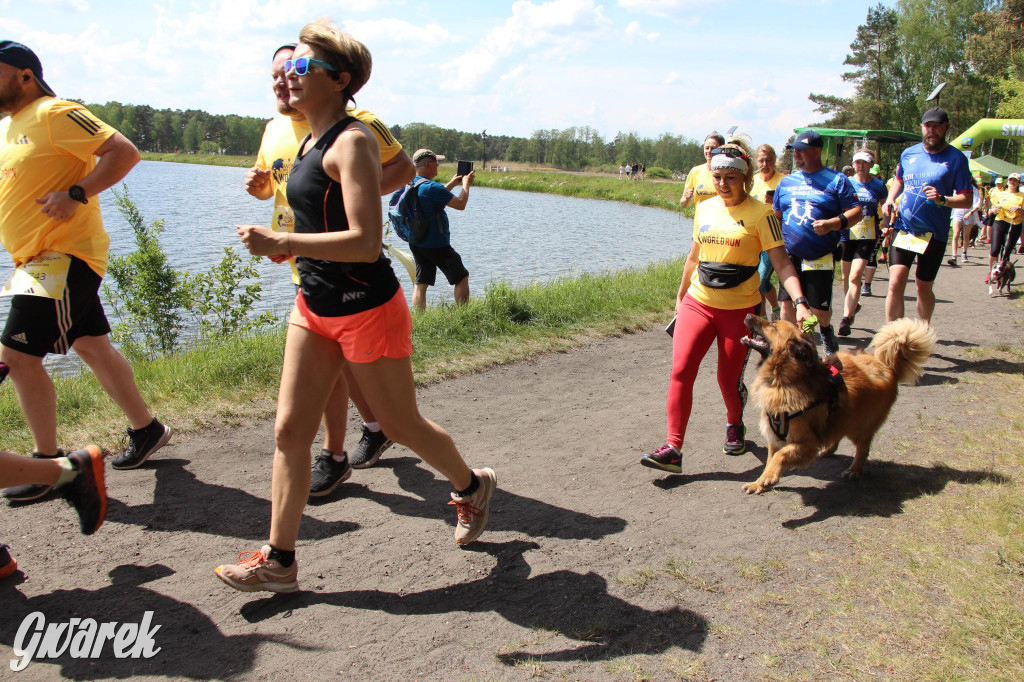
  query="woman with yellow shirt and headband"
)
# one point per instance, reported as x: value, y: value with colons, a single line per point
x: 719, y: 288
x: 699, y: 186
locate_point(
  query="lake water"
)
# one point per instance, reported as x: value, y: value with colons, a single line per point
x: 502, y: 235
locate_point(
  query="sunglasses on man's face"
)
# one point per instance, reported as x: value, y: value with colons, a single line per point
x: 302, y: 64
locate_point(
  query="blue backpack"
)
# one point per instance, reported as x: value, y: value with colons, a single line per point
x: 406, y: 214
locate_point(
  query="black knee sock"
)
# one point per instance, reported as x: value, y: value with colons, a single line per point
x: 473, y: 485
x: 285, y: 558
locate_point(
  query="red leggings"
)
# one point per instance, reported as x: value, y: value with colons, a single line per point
x: 697, y: 326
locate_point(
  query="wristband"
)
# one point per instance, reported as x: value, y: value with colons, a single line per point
x: 802, y: 300
x: 76, y: 193
x: 844, y: 222
x: 941, y: 200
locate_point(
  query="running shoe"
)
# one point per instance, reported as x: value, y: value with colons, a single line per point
x: 30, y: 493
x: 8, y: 564
x: 844, y: 326
x: 87, y: 493
x: 963, y: 258
x: 951, y: 261
x: 328, y: 473
x: 369, y: 449
x: 828, y: 340
x: 665, y: 458
x: 866, y: 289
x: 474, y: 511
x: 735, y: 439
x: 255, y: 571
x: 141, y: 443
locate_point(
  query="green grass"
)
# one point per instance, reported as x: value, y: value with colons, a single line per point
x: 201, y: 159
x: 661, y: 194
x: 236, y: 379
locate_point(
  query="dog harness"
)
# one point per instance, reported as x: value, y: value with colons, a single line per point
x: 780, y: 423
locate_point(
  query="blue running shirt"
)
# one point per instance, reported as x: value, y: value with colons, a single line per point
x: 802, y: 199
x: 946, y: 171
x: 870, y: 195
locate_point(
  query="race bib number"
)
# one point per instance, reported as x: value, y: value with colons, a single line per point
x: 284, y: 219
x: 823, y: 263
x: 45, y: 275
x: 912, y: 242
x: 865, y: 229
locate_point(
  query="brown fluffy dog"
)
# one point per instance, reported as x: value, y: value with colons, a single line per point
x: 808, y: 406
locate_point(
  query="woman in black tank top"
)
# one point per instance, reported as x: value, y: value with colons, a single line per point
x: 349, y: 299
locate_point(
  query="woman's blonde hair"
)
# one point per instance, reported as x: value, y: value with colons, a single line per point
x: 340, y: 50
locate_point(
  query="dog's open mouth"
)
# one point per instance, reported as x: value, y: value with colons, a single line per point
x: 757, y: 342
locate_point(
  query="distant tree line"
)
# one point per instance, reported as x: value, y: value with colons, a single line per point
x: 164, y: 130
x: 901, y: 53
x: 575, y: 148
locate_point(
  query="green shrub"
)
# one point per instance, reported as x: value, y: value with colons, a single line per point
x: 659, y: 172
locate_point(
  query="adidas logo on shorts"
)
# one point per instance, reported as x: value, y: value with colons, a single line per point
x: 20, y: 338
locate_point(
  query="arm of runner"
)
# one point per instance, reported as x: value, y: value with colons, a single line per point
x: 789, y: 280
x: 960, y: 199
x: 257, y: 183
x: 397, y: 172
x: 890, y: 202
x: 117, y: 156
x: 692, y: 261
x: 827, y: 225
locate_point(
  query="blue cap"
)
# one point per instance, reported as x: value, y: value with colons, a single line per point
x: 20, y: 57
x: 805, y: 140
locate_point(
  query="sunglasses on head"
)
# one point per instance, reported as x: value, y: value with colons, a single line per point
x: 731, y: 152
x: 302, y: 64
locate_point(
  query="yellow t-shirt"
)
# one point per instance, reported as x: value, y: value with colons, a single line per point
x: 47, y: 147
x: 1007, y: 200
x: 735, y: 235
x: 761, y: 186
x: 280, y: 144
x: 699, y: 178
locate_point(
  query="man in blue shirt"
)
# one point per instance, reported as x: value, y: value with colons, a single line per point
x: 435, y: 250
x: 931, y: 180
x: 814, y: 204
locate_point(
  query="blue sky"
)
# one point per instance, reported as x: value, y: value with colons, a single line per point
x: 649, y: 66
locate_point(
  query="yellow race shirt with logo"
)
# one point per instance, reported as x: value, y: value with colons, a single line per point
x: 280, y: 143
x: 699, y: 178
x: 735, y: 235
x: 1008, y: 200
x: 47, y: 147
x: 761, y: 186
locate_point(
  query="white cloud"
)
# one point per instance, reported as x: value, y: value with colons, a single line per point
x: 635, y: 34
x: 547, y: 31
x: 397, y: 34
x: 659, y: 8
x: 671, y: 78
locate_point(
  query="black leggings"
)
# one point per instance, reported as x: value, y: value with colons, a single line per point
x: 1003, y: 233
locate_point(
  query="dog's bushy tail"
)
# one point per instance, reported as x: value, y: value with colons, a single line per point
x: 903, y: 346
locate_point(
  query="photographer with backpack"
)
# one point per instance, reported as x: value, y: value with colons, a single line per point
x: 435, y: 250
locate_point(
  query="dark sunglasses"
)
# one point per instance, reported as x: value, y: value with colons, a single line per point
x: 731, y: 152
x: 302, y: 64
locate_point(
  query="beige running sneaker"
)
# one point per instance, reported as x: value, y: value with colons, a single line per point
x: 255, y: 572
x: 474, y: 510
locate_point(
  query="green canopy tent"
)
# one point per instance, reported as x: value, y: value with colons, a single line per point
x: 837, y: 152
x: 991, y: 167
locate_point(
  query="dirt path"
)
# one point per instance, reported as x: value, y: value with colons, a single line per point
x: 592, y: 568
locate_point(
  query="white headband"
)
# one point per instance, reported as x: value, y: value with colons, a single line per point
x: 723, y: 161
x: 864, y: 156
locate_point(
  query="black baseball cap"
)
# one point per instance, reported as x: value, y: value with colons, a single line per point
x: 20, y: 57
x: 935, y: 115
x: 805, y: 140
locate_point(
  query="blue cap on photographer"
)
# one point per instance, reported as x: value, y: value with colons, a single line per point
x: 20, y: 57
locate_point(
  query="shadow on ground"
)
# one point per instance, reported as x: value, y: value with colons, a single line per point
x: 190, y: 644
x: 429, y: 498
x: 574, y: 605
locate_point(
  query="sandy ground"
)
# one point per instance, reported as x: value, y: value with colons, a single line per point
x: 572, y: 579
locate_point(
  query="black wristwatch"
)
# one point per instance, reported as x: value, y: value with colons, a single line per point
x: 77, y: 194
x: 844, y: 222
x: 802, y: 301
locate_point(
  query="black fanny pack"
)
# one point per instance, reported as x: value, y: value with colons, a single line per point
x: 724, y: 275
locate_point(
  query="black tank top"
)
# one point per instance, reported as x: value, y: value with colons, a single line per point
x: 331, y: 288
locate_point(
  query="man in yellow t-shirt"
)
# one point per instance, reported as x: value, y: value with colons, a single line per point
x: 269, y: 178
x: 51, y: 225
